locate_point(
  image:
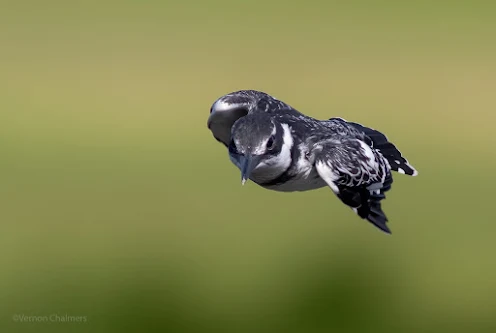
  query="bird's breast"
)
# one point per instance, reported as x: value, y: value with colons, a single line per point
x: 298, y: 184
x: 302, y: 176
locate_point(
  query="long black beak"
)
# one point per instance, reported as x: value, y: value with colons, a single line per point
x: 248, y: 164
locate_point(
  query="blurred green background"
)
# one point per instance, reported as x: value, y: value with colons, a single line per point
x: 118, y: 205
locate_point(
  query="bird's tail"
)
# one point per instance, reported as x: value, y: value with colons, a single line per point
x: 371, y: 209
x: 366, y: 202
x: 380, y: 142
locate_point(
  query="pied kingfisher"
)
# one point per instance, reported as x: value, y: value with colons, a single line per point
x: 281, y: 149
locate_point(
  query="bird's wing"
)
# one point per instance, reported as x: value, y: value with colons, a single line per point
x: 374, y: 139
x: 229, y: 108
x: 357, y: 174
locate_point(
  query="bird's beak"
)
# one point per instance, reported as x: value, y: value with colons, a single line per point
x: 248, y: 164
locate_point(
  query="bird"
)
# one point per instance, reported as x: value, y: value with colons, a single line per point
x: 281, y: 149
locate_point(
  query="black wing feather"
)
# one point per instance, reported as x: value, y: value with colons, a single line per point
x: 358, y: 175
x: 378, y: 141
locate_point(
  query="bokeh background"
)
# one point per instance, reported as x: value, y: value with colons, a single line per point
x: 118, y: 205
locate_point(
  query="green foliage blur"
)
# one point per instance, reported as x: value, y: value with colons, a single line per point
x: 118, y: 205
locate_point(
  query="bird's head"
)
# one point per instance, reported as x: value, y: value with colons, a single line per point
x: 229, y: 108
x: 260, y: 142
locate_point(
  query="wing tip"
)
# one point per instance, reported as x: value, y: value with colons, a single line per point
x: 403, y: 167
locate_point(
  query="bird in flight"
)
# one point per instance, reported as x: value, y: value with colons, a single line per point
x: 281, y: 149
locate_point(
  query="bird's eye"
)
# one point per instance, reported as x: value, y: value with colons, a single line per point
x: 270, y: 143
x: 232, y: 147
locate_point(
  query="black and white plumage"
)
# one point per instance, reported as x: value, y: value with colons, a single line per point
x: 281, y: 149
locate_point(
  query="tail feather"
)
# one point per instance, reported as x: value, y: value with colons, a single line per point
x: 367, y: 203
x: 380, y: 142
x: 371, y: 210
